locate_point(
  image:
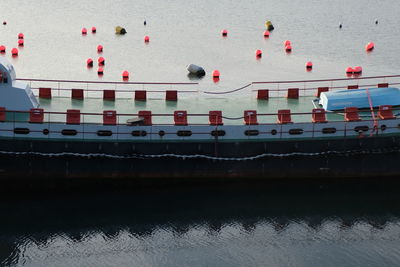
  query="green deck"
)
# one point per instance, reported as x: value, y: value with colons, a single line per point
x: 231, y: 107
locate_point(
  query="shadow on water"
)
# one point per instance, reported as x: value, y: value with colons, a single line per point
x: 39, y: 216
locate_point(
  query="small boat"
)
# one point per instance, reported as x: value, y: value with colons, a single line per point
x: 139, y: 130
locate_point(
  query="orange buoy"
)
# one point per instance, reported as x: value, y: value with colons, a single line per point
x: 215, y: 74
x: 125, y: 75
x: 309, y: 65
x: 14, y: 51
x: 266, y: 34
x: 89, y: 62
x: 287, y: 42
x: 21, y: 36
x: 84, y: 31
x: 100, y: 71
x: 357, y: 69
x: 258, y: 53
x: 94, y: 30
x: 20, y: 42
x: 349, y: 70
x: 224, y: 32
x: 99, y: 48
x: 370, y: 46
x: 101, y: 61
x: 288, y: 48
x: 2, y: 49
x: 146, y: 39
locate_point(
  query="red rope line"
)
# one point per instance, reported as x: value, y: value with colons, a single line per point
x: 375, y: 128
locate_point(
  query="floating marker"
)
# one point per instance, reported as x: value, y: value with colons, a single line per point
x: 349, y: 70
x: 125, y: 75
x: 224, y: 32
x: 21, y: 36
x: 84, y: 31
x: 215, y: 73
x: 4, y: 22
x: 376, y: 21
x: 14, y: 51
x: 266, y: 34
x: 357, y: 70
x: 309, y: 65
x: 100, y: 71
x: 94, y: 30
x: 370, y: 46
x: 99, y: 48
x: 20, y: 42
x: 286, y: 43
x: 101, y: 61
x: 288, y: 48
x: 89, y: 62
x: 258, y: 53
x: 146, y: 39
x: 144, y: 23
x: 2, y: 49
x: 340, y: 25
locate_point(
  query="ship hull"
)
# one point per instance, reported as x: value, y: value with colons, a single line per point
x: 339, y: 158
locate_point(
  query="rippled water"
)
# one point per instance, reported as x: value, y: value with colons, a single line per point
x: 203, y: 226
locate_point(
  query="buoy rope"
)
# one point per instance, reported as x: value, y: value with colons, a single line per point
x: 227, y: 92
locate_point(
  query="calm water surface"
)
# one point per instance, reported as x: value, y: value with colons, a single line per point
x: 184, y: 32
x: 221, y: 227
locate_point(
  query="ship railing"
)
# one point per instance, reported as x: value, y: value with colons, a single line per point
x: 95, y: 89
x: 311, y: 87
x: 157, y: 89
x: 192, y: 118
x: 18, y: 124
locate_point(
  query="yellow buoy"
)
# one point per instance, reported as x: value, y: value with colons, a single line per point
x: 120, y: 30
x: 268, y: 25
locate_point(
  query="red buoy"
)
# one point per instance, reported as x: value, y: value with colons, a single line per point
x: 266, y: 34
x: 94, y: 29
x: 370, y: 46
x: 357, y: 70
x: 288, y: 48
x: 14, y: 51
x: 21, y: 36
x: 287, y: 42
x: 349, y: 70
x: 258, y: 53
x: 20, y: 42
x: 89, y: 62
x: 100, y: 71
x: 224, y: 32
x: 125, y: 75
x: 2, y: 49
x: 99, y: 48
x: 215, y: 74
x: 146, y: 39
x: 84, y: 31
x: 309, y: 65
x: 101, y: 61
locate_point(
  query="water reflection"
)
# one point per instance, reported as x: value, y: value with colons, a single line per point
x: 213, y: 225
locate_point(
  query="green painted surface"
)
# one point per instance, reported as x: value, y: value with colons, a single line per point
x: 231, y: 107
